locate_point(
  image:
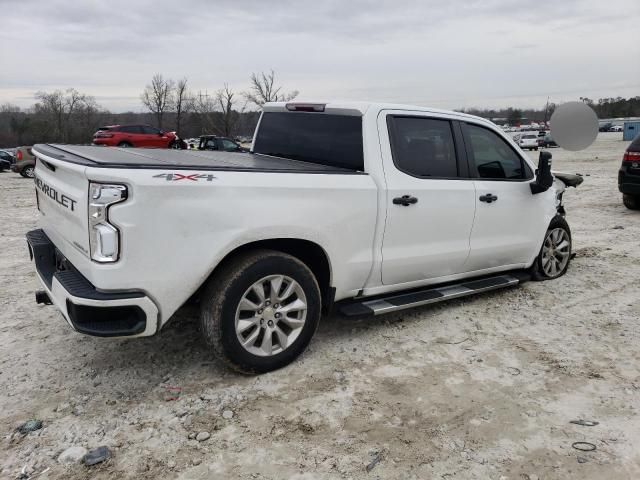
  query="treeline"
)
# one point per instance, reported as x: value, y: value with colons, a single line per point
x: 70, y: 116
x: 604, y: 108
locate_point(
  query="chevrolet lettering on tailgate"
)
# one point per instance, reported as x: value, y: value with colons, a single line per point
x: 52, y: 193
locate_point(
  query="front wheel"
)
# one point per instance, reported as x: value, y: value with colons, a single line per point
x: 632, y: 202
x: 259, y: 313
x: 555, y: 254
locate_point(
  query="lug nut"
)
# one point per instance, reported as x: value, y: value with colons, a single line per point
x: 277, y: 315
x: 276, y: 305
x: 270, y: 323
x: 259, y: 312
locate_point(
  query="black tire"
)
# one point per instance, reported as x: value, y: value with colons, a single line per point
x: 632, y: 202
x: 125, y: 145
x: 537, y: 271
x: 222, y: 295
x: 28, y: 171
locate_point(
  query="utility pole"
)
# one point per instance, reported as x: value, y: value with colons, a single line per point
x: 546, y: 111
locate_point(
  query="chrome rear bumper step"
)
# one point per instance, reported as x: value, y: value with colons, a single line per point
x: 402, y: 301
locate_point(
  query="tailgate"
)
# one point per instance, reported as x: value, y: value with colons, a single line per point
x: 61, y: 191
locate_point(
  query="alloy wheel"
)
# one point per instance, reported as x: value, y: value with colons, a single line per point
x: 271, y: 315
x: 555, y: 252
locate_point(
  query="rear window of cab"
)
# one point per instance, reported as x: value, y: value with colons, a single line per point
x: 322, y: 138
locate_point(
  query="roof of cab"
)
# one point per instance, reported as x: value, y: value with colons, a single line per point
x: 360, y: 108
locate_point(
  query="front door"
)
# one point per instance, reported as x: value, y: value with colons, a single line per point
x: 430, y: 203
x: 510, y: 221
x: 154, y: 138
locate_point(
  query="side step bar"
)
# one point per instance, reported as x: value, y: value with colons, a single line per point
x: 424, y: 297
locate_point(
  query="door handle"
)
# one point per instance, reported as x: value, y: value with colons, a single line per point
x: 488, y: 198
x: 405, y: 200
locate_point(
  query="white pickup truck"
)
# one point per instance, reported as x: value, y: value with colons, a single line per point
x: 365, y: 208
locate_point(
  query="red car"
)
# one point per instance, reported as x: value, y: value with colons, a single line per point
x: 143, y: 136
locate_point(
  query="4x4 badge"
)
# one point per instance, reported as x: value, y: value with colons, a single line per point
x: 174, y: 177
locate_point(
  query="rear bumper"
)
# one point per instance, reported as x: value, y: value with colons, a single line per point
x: 86, y: 309
x: 629, y: 188
x: 628, y: 183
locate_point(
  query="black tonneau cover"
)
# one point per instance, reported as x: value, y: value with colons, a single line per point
x: 114, y: 157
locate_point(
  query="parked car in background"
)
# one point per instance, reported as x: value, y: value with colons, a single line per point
x: 192, y: 143
x: 25, y: 162
x: 629, y: 176
x: 548, y: 141
x: 604, y: 127
x: 213, y: 142
x: 528, y: 141
x: 6, y: 160
x: 143, y: 136
x: 616, y: 128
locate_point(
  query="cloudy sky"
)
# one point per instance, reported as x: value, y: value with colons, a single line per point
x: 446, y: 54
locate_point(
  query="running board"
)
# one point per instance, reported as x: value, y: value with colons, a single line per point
x: 425, y: 297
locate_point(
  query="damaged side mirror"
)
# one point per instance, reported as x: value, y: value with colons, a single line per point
x: 544, y: 177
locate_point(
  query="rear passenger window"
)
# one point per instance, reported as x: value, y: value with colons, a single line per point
x: 130, y: 129
x: 423, y: 147
x: 492, y: 157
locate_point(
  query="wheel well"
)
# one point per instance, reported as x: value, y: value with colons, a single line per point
x: 309, y: 253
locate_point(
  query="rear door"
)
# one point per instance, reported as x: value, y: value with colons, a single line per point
x: 430, y: 199
x: 509, y: 219
x: 132, y: 134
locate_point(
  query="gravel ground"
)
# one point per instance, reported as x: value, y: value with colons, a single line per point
x: 484, y: 387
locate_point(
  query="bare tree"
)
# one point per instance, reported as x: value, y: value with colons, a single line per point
x: 204, y: 106
x: 229, y: 118
x: 158, y: 97
x: 263, y: 90
x: 60, y: 107
x: 183, y: 102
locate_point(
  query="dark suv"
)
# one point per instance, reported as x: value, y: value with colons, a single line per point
x: 629, y: 176
x: 213, y: 142
x: 6, y: 160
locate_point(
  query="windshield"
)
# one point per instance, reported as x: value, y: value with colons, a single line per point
x: 327, y: 139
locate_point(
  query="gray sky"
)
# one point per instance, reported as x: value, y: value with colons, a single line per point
x: 446, y: 54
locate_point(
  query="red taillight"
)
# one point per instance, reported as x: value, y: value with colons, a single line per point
x: 631, y: 157
x: 18, y: 155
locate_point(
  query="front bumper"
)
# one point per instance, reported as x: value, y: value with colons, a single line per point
x: 86, y: 309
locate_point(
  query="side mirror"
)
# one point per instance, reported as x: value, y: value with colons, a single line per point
x: 544, y: 178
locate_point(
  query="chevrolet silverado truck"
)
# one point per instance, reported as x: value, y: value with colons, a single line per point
x: 359, y: 207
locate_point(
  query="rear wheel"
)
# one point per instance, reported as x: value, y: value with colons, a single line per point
x: 259, y: 313
x: 632, y: 202
x: 555, y: 254
x: 125, y: 145
x: 28, y: 172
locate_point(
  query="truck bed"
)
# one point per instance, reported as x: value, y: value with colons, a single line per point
x: 145, y: 158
